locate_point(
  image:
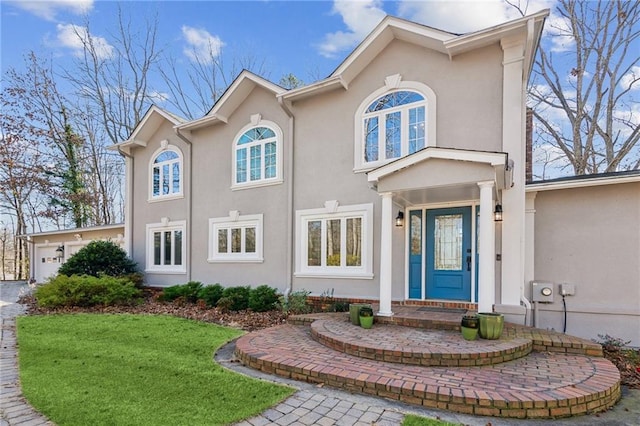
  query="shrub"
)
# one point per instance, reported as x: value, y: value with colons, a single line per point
x: 295, y: 302
x: 99, y: 258
x: 238, y: 298
x: 263, y: 298
x: 86, y: 290
x: 188, y: 292
x: 210, y: 294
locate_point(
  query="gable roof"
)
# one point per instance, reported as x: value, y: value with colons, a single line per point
x: 152, y: 119
x: 392, y: 28
x: 231, y: 99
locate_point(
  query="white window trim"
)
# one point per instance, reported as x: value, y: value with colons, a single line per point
x: 333, y: 211
x: 156, y: 198
x: 360, y: 166
x: 234, y: 220
x: 166, y: 226
x: 278, y: 179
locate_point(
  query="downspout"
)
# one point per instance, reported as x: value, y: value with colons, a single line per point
x: 128, y: 206
x: 189, y: 202
x: 290, y: 212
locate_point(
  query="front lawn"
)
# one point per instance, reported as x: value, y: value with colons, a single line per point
x: 85, y: 369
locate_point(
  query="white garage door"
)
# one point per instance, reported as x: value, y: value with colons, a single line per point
x: 46, y: 263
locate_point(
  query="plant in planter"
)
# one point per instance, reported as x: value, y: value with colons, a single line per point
x: 469, y: 327
x: 366, y: 317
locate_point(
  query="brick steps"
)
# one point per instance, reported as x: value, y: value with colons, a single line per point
x: 408, y: 345
x: 548, y: 384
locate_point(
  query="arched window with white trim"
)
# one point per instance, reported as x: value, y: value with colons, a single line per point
x: 166, y: 174
x: 257, y: 156
x: 394, y: 122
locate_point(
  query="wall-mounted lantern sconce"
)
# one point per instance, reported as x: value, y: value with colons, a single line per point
x: 497, y: 213
x: 400, y: 219
x: 60, y: 251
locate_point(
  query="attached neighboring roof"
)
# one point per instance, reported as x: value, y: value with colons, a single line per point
x: 584, y: 181
x: 147, y: 127
x: 392, y: 28
x: 231, y: 99
x: 77, y: 230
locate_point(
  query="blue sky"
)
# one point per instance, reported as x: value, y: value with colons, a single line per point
x: 307, y: 38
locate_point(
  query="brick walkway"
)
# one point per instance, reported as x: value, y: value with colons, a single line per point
x: 563, y: 379
x: 14, y: 409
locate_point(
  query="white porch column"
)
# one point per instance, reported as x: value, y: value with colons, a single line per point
x: 386, y: 255
x: 486, y: 249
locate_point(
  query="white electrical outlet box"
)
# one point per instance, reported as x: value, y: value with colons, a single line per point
x: 542, y: 292
x: 567, y: 289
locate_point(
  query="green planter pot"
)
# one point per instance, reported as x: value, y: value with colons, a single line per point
x: 366, y: 322
x: 354, y: 312
x: 491, y: 325
x: 469, y: 333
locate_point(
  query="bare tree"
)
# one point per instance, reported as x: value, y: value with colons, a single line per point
x: 114, y: 79
x: 589, y: 110
x: 194, y: 88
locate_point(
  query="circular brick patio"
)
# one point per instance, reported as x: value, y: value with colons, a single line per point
x: 540, y: 385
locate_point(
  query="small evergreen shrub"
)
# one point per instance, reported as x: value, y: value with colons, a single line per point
x: 263, y: 298
x: 188, y: 292
x: 295, y: 302
x: 237, y: 298
x: 210, y: 294
x: 99, y: 258
x: 86, y: 290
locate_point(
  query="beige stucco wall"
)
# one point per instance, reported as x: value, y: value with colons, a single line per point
x: 465, y: 87
x: 213, y: 150
x: 590, y: 237
x: 149, y: 212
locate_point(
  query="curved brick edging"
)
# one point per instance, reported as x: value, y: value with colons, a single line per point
x: 417, y: 346
x: 542, y: 385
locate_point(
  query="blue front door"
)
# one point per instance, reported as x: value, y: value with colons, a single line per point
x: 448, y: 254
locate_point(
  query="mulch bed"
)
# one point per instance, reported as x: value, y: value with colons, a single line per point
x: 627, y: 361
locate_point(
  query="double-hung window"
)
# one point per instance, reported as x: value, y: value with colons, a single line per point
x: 236, y: 238
x: 335, y: 243
x: 257, y: 157
x: 166, y: 175
x: 166, y: 247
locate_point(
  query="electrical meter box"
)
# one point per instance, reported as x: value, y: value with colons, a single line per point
x: 542, y: 292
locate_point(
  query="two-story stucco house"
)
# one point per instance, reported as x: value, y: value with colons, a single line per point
x: 383, y: 181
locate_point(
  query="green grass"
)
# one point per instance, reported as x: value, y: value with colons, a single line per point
x: 134, y: 370
x: 411, y: 420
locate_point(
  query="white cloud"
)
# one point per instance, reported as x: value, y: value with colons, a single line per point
x: 360, y: 17
x: 629, y: 78
x: 201, y: 45
x: 50, y: 8
x: 557, y: 31
x: 159, y: 97
x: 74, y: 37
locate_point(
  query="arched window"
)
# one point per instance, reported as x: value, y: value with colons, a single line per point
x: 394, y: 121
x: 394, y: 126
x: 257, y: 156
x: 166, y: 174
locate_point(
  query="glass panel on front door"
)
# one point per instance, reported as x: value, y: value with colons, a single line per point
x: 448, y: 243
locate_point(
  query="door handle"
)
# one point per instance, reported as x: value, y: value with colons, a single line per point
x: 468, y: 263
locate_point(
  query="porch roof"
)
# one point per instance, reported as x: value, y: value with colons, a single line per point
x: 441, y: 175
